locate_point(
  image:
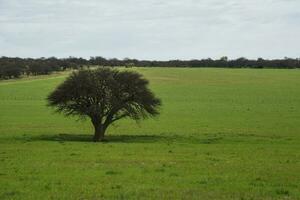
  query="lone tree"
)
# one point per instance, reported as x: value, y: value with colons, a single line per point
x: 105, y: 96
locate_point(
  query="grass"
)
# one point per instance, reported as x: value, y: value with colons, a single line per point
x: 222, y: 134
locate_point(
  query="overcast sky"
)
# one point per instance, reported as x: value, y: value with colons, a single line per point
x: 150, y: 29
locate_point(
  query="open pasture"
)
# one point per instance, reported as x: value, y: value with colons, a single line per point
x: 222, y: 134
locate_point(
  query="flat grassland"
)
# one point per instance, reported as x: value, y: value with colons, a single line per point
x: 222, y: 134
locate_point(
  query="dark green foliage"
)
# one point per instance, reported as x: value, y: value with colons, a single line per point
x: 105, y: 96
x: 48, y: 65
x: 11, y: 70
x: 15, y: 67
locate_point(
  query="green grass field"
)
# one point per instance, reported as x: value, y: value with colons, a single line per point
x: 222, y: 134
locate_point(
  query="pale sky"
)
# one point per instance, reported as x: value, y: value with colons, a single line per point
x: 150, y: 29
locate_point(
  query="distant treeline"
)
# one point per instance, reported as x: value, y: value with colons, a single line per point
x: 16, y: 67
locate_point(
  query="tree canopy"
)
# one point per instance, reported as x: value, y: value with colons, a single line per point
x: 105, y: 95
x: 16, y: 67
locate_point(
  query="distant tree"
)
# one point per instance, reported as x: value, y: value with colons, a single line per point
x: 11, y: 70
x: 260, y: 63
x: 14, y: 67
x: 100, y: 61
x: 105, y: 96
x: 224, y: 58
x: 129, y: 65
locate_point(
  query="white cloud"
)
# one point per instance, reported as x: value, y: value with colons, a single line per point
x: 150, y: 29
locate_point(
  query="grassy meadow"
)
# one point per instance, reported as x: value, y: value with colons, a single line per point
x: 222, y: 134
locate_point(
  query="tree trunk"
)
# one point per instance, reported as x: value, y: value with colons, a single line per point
x: 99, y: 133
